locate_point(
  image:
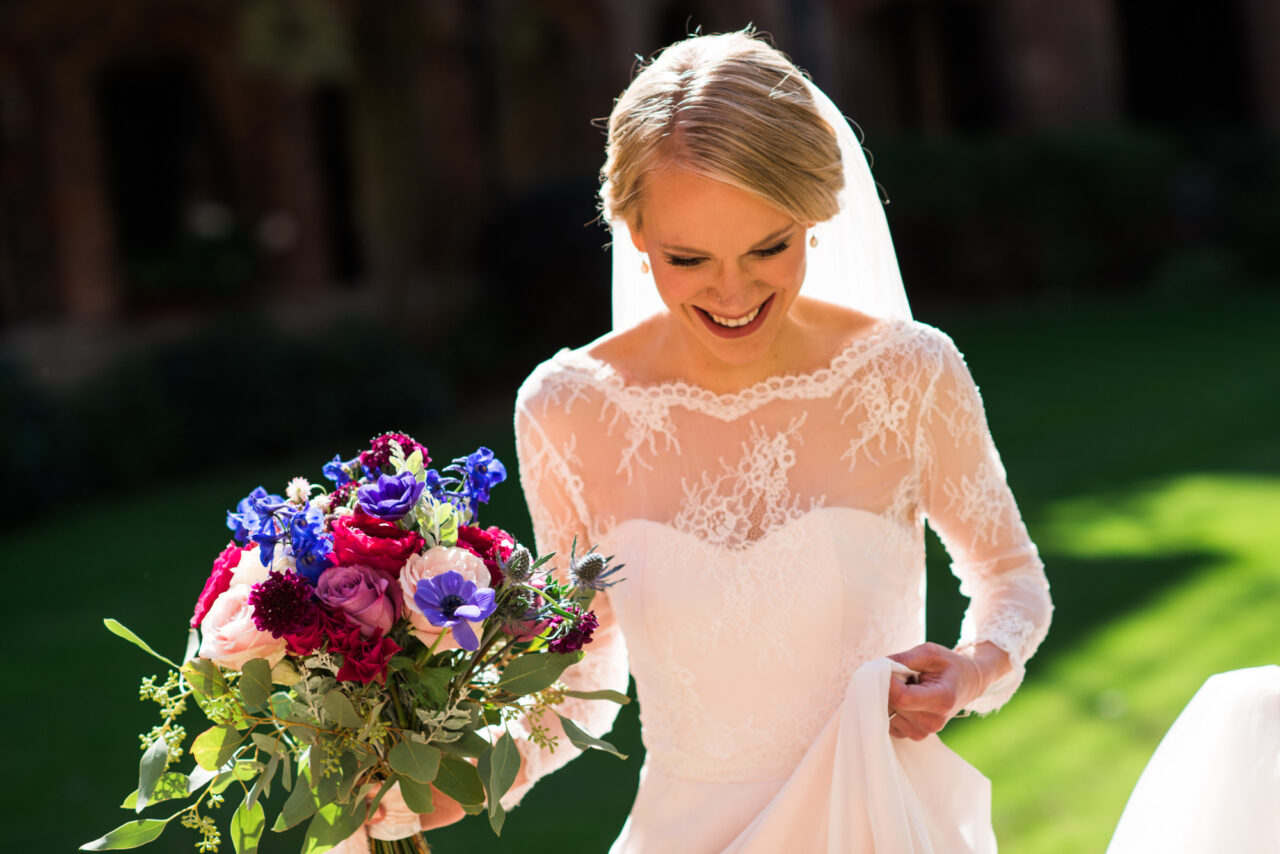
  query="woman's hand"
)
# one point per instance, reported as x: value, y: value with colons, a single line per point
x: 948, y: 682
x: 446, y: 811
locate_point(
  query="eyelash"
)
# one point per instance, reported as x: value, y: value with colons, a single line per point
x: 768, y: 252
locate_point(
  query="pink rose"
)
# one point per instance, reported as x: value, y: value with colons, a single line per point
x: 490, y: 544
x: 361, y: 594
x: 228, y: 636
x: 218, y: 581
x: 436, y: 561
x: 363, y: 540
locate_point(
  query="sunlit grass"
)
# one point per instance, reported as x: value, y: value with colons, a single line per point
x: 1068, y: 749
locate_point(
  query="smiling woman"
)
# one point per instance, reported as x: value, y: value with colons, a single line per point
x: 761, y: 452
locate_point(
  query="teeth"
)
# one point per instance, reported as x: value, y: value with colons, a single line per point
x: 733, y: 324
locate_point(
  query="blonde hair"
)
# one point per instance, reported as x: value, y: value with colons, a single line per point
x: 731, y: 108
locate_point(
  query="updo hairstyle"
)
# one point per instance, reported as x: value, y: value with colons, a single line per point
x: 731, y: 108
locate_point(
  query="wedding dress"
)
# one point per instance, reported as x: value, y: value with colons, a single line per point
x: 774, y: 550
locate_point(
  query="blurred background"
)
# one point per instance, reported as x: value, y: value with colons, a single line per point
x: 239, y: 236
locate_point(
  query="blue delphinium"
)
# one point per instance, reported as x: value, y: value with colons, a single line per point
x: 449, y: 600
x: 391, y: 497
x: 339, y: 470
x: 479, y: 472
x: 244, y: 520
x: 274, y: 516
x: 312, y: 547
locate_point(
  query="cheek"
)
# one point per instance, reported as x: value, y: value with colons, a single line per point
x: 676, y: 287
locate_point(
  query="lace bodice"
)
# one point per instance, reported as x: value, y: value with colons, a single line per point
x: 773, y: 538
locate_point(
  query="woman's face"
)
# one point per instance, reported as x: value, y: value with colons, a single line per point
x: 727, y: 264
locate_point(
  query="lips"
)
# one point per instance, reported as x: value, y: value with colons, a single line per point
x: 737, y: 327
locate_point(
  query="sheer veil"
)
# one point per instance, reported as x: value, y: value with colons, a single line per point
x: 853, y: 265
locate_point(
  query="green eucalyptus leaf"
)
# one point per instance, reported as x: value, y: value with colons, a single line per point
x: 497, y: 817
x: 498, y: 768
x: 332, y: 824
x: 470, y: 744
x: 417, y: 761
x: 434, y: 685
x: 246, y: 769
x: 213, y: 747
x: 582, y: 740
x: 605, y: 694
x: 284, y: 673
x: 338, y: 710
x: 246, y: 827
x: 267, y: 744
x: 205, y: 678
x: 354, y: 764
x: 282, y: 704
x: 255, y: 683
x: 169, y: 786
x: 302, y: 803
x: 263, y: 783
x: 154, y: 761
x: 117, y: 628
x: 459, y: 780
x: 532, y: 673
x: 417, y: 796
x: 131, y: 834
x: 221, y: 782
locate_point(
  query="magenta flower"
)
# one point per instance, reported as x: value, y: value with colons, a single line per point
x: 282, y: 604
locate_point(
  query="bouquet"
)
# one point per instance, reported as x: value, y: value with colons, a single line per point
x: 365, y: 647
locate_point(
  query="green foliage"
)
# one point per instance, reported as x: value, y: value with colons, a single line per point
x: 584, y: 740
x: 246, y: 827
x: 417, y: 761
x: 255, y: 683
x: 130, y: 835
x: 117, y: 628
x: 533, y: 673
x: 459, y: 780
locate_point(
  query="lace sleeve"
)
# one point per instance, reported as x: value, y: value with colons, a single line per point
x: 554, y: 495
x: 968, y: 502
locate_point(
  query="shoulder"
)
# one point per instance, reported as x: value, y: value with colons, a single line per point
x: 561, y: 391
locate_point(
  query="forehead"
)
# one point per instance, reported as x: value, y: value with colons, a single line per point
x: 682, y: 206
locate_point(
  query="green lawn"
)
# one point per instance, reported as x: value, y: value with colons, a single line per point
x: 1140, y: 437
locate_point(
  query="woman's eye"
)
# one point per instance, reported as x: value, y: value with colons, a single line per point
x: 773, y: 250
x: 682, y: 261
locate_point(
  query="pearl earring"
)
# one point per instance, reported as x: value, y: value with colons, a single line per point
x: 644, y: 266
x: 813, y: 240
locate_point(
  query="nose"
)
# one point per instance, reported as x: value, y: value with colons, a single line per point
x: 732, y: 290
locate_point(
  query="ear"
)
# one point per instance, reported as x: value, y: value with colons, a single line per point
x: 637, y: 239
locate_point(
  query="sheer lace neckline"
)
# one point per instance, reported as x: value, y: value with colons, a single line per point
x: 852, y: 351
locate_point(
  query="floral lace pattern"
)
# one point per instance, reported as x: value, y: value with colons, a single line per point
x: 774, y: 537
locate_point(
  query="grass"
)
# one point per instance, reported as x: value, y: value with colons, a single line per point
x: 1139, y: 437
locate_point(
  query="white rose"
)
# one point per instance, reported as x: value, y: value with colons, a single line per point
x: 250, y: 570
x: 437, y: 561
x: 228, y: 636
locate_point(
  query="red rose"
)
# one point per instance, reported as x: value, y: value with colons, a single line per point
x: 491, y: 545
x: 363, y: 540
x: 364, y: 659
x: 224, y: 566
x: 324, y: 626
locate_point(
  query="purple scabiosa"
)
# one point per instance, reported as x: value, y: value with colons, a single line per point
x: 572, y: 638
x: 450, y: 600
x: 341, y: 496
x: 392, y: 496
x: 282, y: 604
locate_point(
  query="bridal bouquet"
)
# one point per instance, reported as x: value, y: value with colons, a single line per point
x: 364, y: 647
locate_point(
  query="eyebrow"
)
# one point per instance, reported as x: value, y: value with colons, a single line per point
x: 760, y: 244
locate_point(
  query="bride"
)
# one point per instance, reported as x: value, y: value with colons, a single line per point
x: 760, y: 440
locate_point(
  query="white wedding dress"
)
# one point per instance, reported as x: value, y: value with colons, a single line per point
x: 774, y: 550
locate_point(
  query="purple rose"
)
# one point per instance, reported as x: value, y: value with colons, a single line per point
x: 392, y: 496
x: 361, y: 594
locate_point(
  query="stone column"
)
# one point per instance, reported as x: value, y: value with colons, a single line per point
x: 1061, y: 61
x: 1262, y: 19
x: 80, y: 211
